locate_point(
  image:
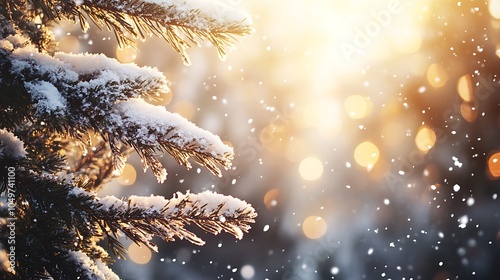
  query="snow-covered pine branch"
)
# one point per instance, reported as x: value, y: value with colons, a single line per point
x: 142, y: 218
x: 86, y: 268
x: 179, y: 22
x: 81, y: 92
x: 52, y: 103
x: 150, y: 128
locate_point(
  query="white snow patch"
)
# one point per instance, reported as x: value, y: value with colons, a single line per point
x: 109, y: 68
x: 10, y: 145
x: 148, y: 116
x: 220, y: 12
x: 47, y: 97
x: 93, y: 269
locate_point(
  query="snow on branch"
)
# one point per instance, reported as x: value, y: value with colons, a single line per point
x: 150, y: 128
x: 179, y: 22
x: 90, y: 269
x: 78, y: 92
x: 142, y: 218
x: 10, y: 145
x: 65, y: 83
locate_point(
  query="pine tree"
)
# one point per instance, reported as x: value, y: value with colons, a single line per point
x: 69, y: 121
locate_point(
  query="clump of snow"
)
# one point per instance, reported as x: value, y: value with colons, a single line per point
x: 111, y: 201
x: 171, y: 127
x: 109, y: 69
x: 51, y: 80
x: 219, y: 12
x: 210, y: 201
x: 46, y: 96
x: 10, y: 145
x: 93, y: 270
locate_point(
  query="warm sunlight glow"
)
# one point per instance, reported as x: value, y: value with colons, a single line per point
x: 437, y: 75
x: 297, y: 149
x: 128, y: 176
x: 70, y: 44
x: 407, y: 40
x: 425, y: 139
x: 314, y: 227
x: 272, y: 136
x: 494, y: 165
x: 324, y: 115
x: 366, y: 155
x: 357, y: 106
x: 494, y: 8
x: 184, y: 108
x: 465, y: 89
x: 139, y: 255
x: 311, y: 168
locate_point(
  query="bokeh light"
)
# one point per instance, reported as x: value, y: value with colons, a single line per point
x: 128, y: 176
x: 314, y: 227
x: 271, y: 198
x: 494, y: 164
x: 402, y: 92
x: 425, y: 138
x: 126, y: 55
x: 357, y: 106
x: 139, y: 255
x: 311, y: 168
x: 247, y: 271
x: 469, y: 111
x: 437, y: 75
x: 494, y: 8
x: 366, y: 154
x: 465, y: 88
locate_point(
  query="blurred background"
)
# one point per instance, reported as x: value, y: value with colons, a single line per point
x: 366, y: 136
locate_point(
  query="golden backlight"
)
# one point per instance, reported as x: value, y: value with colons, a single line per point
x: 494, y: 165
x: 366, y: 155
x: 425, y: 139
x: 311, y: 168
x: 314, y: 227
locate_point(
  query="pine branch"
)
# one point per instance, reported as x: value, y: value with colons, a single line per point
x: 178, y: 22
x: 94, y: 162
x: 142, y: 218
x: 150, y: 128
x: 75, y: 96
x: 51, y: 102
x: 15, y: 15
x: 48, y: 228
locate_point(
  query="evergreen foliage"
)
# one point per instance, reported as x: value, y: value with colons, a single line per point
x: 68, y: 122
